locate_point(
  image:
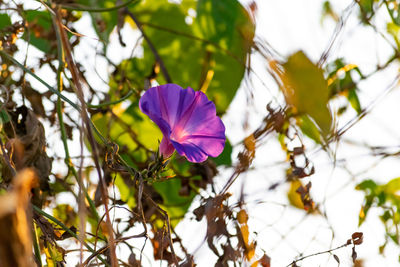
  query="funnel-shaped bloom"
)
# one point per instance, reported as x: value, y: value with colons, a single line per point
x: 187, y: 120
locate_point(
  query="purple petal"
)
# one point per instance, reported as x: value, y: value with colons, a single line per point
x: 200, y: 118
x: 192, y: 152
x: 166, y: 147
x: 166, y: 102
x: 199, y: 131
x: 187, y: 119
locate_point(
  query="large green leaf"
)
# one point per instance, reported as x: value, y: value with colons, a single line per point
x: 213, y: 62
x: 306, y: 90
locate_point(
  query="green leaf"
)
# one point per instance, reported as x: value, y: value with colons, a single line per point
x: 354, y: 100
x: 394, y: 12
x: 341, y: 82
x: 393, y: 186
x: 135, y: 70
x: 367, y: 184
x: 65, y: 213
x: 226, y: 156
x: 54, y: 255
x: 175, y: 204
x: 394, y: 30
x: 4, y: 21
x: 309, y: 128
x: 127, y: 192
x: 4, y: 118
x: 215, y: 62
x: 133, y: 131
x: 306, y: 90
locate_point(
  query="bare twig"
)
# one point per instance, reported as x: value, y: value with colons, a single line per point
x: 151, y: 45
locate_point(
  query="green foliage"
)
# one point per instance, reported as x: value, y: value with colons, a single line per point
x: 385, y: 197
x: 306, y: 90
x: 4, y: 21
x: 393, y: 8
x: 212, y: 62
x: 342, y: 80
x: 174, y: 202
x: 4, y: 118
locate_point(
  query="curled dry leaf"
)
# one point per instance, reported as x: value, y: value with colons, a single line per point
x: 357, y: 238
x: 27, y: 145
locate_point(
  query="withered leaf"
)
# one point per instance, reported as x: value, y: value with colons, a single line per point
x: 133, y: 262
x: 357, y: 238
x: 35, y: 98
x: 354, y: 254
x: 265, y: 261
x: 336, y: 259
x: 27, y: 145
x: 304, y: 192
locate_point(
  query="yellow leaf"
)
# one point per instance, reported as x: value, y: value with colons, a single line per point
x: 294, y: 197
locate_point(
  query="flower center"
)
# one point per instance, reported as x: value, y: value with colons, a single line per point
x: 178, y: 134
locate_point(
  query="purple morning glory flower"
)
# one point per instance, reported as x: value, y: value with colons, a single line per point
x: 187, y: 120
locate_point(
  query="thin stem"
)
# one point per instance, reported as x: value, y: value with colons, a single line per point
x: 318, y: 253
x: 4, y: 54
x: 112, y: 102
x: 151, y: 45
x: 36, y: 247
x: 96, y: 9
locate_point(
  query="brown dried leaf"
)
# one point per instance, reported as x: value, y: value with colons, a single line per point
x: 15, y: 232
x: 160, y: 244
x: 336, y: 259
x: 354, y: 254
x: 35, y: 98
x: 27, y: 145
x: 304, y: 192
x: 357, y: 238
x: 265, y: 261
x: 133, y: 262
